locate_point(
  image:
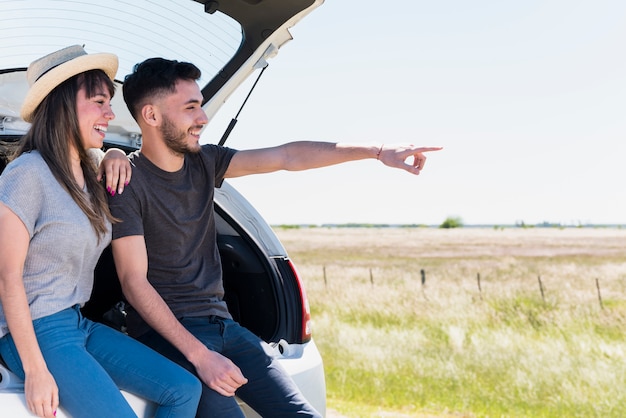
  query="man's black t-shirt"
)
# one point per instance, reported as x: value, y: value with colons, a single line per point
x: 174, y: 213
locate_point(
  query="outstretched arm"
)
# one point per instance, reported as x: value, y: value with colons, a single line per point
x: 131, y: 261
x: 304, y: 155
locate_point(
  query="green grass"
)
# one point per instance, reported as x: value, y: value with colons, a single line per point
x: 394, y: 348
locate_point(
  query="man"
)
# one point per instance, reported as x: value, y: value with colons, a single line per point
x: 165, y: 247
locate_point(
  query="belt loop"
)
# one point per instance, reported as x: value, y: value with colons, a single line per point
x: 214, y: 319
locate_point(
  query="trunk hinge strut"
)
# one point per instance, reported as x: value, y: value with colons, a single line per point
x: 233, y: 121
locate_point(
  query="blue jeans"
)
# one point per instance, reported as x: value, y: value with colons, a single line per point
x: 90, y: 362
x: 269, y: 391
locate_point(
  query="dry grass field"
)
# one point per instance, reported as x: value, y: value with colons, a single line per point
x: 468, y: 322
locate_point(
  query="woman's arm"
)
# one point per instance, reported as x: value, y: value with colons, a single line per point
x: 115, y: 168
x: 42, y: 397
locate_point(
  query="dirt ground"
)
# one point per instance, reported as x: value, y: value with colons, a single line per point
x: 463, y: 242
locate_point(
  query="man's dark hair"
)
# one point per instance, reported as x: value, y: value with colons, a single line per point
x: 153, y: 77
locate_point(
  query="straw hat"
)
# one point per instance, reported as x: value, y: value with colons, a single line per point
x: 45, y: 73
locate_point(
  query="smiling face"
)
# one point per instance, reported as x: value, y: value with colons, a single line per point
x: 183, y: 117
x: 94, y: 114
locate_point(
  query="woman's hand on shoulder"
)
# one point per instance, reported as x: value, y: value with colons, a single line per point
x: 116, y: 170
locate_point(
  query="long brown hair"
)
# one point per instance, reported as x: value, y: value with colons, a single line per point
x: 55, y: 131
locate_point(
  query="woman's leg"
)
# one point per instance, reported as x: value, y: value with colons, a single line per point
x: 85, y: 389
x: 143, y: 372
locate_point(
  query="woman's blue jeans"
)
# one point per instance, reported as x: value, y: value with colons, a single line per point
x: 269, y: 391
x: 91, y: 362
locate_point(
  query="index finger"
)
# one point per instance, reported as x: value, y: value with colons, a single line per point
x: 55, y: 402
x: 427, y: 149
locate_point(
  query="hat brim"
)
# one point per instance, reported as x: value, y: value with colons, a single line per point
x: 47, y: 82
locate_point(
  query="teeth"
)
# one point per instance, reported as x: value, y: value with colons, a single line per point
x: 100, y: 128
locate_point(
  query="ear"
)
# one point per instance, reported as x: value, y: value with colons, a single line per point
x: 150, y: 115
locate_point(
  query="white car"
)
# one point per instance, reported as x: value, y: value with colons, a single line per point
x: 228, y: 40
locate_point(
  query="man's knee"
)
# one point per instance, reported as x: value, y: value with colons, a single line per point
x: 212, y: 404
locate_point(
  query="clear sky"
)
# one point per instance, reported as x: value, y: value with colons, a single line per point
x: 528, y: 99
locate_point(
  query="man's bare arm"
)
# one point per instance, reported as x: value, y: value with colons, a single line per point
x: 305, y: 155
x: 131, y: 261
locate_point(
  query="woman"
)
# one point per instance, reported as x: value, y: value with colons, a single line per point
x: 54, y: 224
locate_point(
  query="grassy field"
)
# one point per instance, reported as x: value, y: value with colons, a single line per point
x: 468, y: 322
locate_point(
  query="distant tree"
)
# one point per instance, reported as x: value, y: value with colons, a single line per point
x: 452, y: 222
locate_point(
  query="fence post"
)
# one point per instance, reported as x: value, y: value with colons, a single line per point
x: 423, y: 274
x: 541, y: 289
x: 599, y: 295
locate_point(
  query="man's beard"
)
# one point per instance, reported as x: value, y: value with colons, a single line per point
x: 175, y: 139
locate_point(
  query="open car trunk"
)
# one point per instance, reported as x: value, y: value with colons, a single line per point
x: 228, y: 41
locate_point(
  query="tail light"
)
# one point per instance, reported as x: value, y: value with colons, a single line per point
x: 306, y: 311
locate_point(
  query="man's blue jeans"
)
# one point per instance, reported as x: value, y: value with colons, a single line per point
x: 90, y: 362
x: 269, y: 391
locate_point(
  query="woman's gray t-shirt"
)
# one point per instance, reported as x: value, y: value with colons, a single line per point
x: 63, y: 249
